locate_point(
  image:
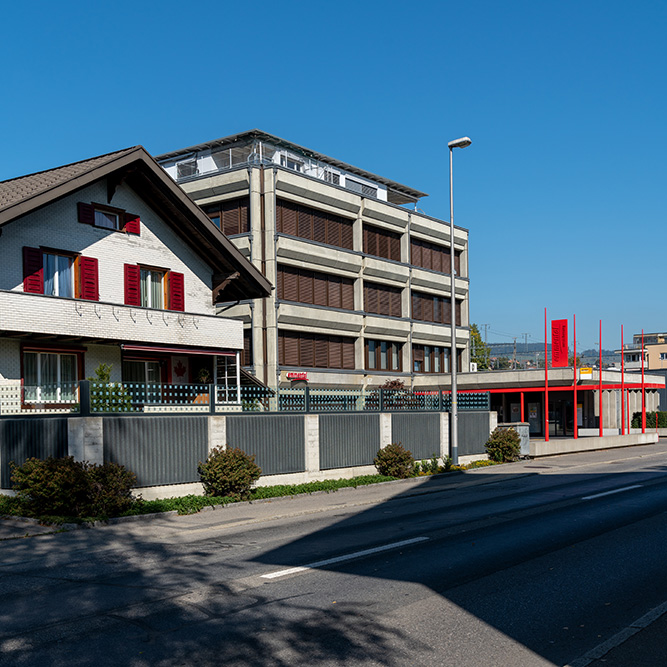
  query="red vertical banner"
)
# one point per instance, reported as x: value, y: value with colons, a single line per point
x: 546, y: 382
x: 559, y: 348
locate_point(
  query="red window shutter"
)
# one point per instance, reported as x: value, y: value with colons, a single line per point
x: 132, y: 224
x: 88, y: 274
x: 33, y: 270
x: 86, y: 213
x: 132, y: 285
x: 176, y: 291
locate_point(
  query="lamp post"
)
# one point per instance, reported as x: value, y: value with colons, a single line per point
x: 463, y: 142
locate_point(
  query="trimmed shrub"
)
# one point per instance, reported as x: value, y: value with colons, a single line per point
x: 395, y: 461
x: 110, y: 489
x: 503, y: 445
x: 650, y: 420
x: 68, y: 488
x: 229, y: 472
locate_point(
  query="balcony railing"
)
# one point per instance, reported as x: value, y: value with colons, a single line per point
x: 87, y: 398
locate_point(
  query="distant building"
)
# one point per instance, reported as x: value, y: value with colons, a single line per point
x: 655, y: 352
x: 362, y: 282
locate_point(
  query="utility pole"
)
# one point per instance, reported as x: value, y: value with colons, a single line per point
x: 514, y: 356
x: 486, y: 346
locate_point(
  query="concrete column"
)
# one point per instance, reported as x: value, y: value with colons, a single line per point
x: 85, y: 439
x: 385, y: 429
x: 311, y: 424
x: 217, y: 432
x: 444, y: 434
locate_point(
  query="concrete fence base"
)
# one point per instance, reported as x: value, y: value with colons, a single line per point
x: 587, y: 444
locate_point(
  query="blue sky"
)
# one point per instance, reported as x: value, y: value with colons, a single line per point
x: 563, y: 189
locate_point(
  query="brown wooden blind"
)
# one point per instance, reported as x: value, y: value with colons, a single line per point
x: 382, y: 243
x: 320, y: 289
x: 306, y: 350
x: 312, y: 224
x: 231, y: 216
x: 429, y: 308
x: 434, y: 257
x: 247, y: 347
x: 382, y: 300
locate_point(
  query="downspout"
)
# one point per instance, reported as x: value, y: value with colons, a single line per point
x: 262, y: 224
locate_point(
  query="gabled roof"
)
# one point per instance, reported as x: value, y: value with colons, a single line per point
x: 403, y: 192
x: 134, y: 166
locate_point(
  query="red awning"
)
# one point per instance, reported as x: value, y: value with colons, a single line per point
x: 177, y: 350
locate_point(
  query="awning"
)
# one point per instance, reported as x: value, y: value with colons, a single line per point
x: 177, y: 350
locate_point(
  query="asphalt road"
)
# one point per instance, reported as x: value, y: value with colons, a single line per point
x: 547, y: 562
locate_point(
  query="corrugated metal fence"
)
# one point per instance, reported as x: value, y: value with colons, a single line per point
x: 21, y: 439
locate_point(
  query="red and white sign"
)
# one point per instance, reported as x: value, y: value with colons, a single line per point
x: 559, y: 347
x: 297, y: 376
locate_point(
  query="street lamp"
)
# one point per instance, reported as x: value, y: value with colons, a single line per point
x: 463, y: 142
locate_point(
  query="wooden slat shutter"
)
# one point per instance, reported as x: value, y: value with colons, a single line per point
x: 458, y: 313
x: 321, y: 352
x: 457, y: 262
x: 86, y: 213
x: 446, y: 311
x: 319, y: 227
x: 347, y: 345
x: 368, y: 235
x: 132, y: 223
x: 89, y: 280
x: 334, y: 295
x: 287, y: 218
x: 244, y: 217
x: 306, y: 351
x: 383, y: 245
x: 291, y: 344
x: 230, y: 217
x: 416, y: 307
x: 418, y: 353
x: 247, y: 347
x: 306, y: 287
x: 290, y: 284
x: 347, y: 294
x: 320, y: 288
x: 384, y: 303
x: 304, y: 225
x: 346, y: 235
x: 176, y: 291
x: 33, y: 270
x: 415, y: 253
x: 395, y: 248
x: 132, y: 274
x: 395, y: 305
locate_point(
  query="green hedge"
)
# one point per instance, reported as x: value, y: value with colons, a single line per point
x: 650, y: 419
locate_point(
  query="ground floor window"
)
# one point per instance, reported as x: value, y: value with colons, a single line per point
x: 227, y: 378
x: 383, y: 355
x: 50, y: 377
x: 148, y: 372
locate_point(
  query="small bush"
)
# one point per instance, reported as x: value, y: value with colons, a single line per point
x: 229, y: 472
x: 650, y: 420
x: 395, y: 461
x: 110, y: 490
x: 67, y: 488
x: 503, y: 445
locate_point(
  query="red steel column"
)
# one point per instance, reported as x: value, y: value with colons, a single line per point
x: 623, y: 387
x: 576, y: 412
x: 546, y: 382
x: 600, y: 378
x: 643, y: 390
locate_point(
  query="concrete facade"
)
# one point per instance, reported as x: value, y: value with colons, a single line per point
x: 268, y: 171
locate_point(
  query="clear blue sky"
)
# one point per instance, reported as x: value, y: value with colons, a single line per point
x: 563, y: 189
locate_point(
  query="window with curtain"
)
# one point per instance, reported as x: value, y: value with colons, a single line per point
x: 50, y: 377
x: 58, y: 275
x: 383, y: 355
x: 152, y: 289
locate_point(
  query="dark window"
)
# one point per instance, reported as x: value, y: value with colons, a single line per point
x: 230, y: 216
x: 429, y: 308
x: 434, y: 257
x: 383, y: 355
x: 382, y: 243
x: 107, y: 217
x: 432, y: 359
x: 247, y: 347
x: 313, y: 224
x: 308, y: 350
x: 382, y: 300
x: 186, y: 168
x: 320, y: 289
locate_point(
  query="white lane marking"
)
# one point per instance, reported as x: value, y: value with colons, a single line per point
x: 340, y: 559
x: 609, y: 493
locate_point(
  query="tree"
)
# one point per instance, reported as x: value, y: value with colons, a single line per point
x: 479, y: 350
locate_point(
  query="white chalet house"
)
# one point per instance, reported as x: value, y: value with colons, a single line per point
x: 108, y: 261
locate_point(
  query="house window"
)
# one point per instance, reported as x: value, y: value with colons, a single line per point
x: 313, y: 224
x: 58, y: 275
x: 663, y: 356
x: 383, y: 355
x: 152, y: 288
x: 382, y: 243
x: 106, y: 219
x: 230, y: 216
x: 291, y: 163
x: 50, y: 377
x: 432, y: 359
x: 145, y: 372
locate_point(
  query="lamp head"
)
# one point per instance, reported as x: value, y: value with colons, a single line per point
x: 463, y: 142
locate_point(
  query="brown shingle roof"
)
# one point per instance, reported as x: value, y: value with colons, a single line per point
x: 19, y: 189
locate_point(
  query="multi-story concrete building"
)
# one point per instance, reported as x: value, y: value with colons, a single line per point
x: 361, y: 277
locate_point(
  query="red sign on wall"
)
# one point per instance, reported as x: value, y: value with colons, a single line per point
x: 559, y: 348
x: 297, y: 376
